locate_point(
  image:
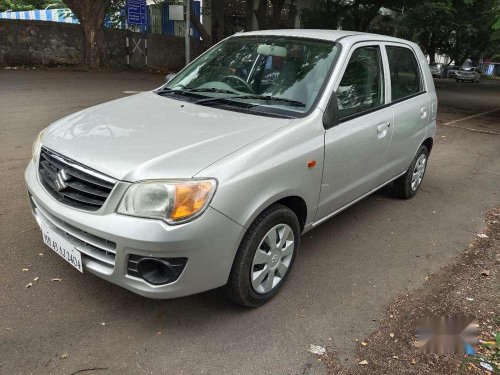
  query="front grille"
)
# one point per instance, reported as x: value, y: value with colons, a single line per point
x: 71, y: 183
x: 92, y: 247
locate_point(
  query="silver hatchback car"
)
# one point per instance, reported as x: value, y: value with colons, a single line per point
x: 210, y: 180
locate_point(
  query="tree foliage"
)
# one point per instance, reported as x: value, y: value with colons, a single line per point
x: 345, y: 14
x: 460, y: 29
x: 17, y: 5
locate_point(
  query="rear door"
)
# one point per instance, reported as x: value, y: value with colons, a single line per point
x: 356, y: 148
x: 410, y: 103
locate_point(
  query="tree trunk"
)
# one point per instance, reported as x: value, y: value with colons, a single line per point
x: 218, y: 20
x: 207, y: 40
x: 249, y: 15
x: 276, y: 18
x: 91, y: 15
x: 292, y: 14
x: 260, y: 14
x: 432, y: 53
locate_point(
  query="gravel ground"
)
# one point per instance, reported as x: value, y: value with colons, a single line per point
x: 468, y: 286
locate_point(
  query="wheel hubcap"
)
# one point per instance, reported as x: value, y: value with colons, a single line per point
x: 418, y: 172
x: 272, y: 258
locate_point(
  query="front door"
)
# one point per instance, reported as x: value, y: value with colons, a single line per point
x: 356, y: 148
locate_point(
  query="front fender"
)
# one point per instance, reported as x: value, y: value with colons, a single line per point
x: 270, y: 169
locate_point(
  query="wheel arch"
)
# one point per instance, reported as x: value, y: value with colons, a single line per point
x: 429, y: 142
x: 294, y: 202
x: 298, y: 206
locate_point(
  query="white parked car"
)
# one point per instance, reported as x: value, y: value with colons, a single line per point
x: 437, y: 70
x: 468, y: 75
x: 210, y: 180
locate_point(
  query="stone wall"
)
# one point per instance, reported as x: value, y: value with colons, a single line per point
x: 35, y: 43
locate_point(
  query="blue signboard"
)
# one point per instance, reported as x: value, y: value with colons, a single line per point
x: 136, y: 12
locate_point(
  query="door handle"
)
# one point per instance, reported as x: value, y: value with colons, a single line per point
x: 423, y: 112
x: 383, y: 127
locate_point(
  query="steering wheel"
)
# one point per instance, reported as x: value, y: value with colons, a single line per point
x: 240, y: 82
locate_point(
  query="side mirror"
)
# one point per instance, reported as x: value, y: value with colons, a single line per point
x: 169, y: 77
x: 331, y: 115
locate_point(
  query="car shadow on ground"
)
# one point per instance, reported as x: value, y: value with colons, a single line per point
x: 213, y: 303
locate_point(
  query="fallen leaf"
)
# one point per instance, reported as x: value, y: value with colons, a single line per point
x: 482, y: 235
x: 363, y: 362
x: 485, y: 272
x: 395, y: 357
x: 363, y: 343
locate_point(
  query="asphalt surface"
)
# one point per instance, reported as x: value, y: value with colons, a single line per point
x: 348, y: 269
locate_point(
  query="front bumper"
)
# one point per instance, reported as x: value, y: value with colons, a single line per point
x: 209, y: 242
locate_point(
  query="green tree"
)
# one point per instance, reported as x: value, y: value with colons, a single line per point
x: 460, y: 29
x: 432, y: 23
x: 356, y: 15
x: 28, y: 4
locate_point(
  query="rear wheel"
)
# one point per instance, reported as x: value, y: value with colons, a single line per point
x: 265, y: 257
x: 407, y: 185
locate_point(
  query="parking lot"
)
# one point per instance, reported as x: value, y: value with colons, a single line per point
x: 349, y: 268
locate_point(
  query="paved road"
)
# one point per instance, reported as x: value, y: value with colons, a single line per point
x: 348, y: 270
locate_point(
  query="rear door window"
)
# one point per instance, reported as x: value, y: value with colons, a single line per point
x: 405, y: 72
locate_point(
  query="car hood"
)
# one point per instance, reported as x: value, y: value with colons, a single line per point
x: 147, y: 136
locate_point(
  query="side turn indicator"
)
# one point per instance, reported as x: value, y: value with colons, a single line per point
x: 311, y: 163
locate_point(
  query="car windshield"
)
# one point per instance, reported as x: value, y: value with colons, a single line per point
x: 262, y: 74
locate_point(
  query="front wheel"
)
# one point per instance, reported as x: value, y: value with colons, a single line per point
x: 407, y: 185
x: 265, y: 257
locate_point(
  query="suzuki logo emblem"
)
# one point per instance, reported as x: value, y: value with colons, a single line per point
x: 61, y: 178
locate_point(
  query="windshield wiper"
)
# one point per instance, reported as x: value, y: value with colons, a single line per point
x: 267, y: 98
x: 168, y: 91
x: 213, y: 89
x: 208, y: 89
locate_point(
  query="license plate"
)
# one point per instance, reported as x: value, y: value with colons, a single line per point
x: 62, y: 247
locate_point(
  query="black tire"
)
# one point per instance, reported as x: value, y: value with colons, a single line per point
x: 402, y: 186
x: 239, y: 287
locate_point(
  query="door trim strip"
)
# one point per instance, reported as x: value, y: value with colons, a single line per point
x: 329, y: 216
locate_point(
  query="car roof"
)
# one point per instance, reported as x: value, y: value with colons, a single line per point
x: 332, y: 35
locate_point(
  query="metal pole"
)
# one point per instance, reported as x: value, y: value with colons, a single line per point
x: 188, y: 27
x: 127, y: 43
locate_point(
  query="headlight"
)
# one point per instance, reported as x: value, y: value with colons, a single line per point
x: 37, y: 146
x: 175, y: 201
